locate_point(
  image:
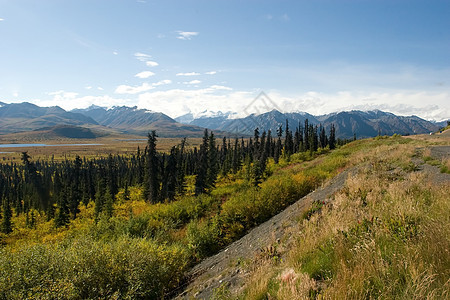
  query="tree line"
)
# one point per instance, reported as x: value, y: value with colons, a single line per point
x: 57, y: 189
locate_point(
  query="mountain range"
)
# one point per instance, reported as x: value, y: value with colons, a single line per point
x: 22, y: 117
x: 347, y: 123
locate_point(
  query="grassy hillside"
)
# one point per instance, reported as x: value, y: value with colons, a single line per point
x: 384, y: 235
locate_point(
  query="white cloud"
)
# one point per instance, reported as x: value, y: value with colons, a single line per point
x: 126, y: 89
x: 220, y: 87
x: 144, y: 74
x: 188, y: 74
x: 68, y: 102
x: 63, y: 94
x: 151, y: 63
x: 142, y: 56
x: 211, y: 73
x: 186, y: 35
x: 88, y: 87
x: 100, y: 88
x: 192, y: 82
x: 162, y: 82
x: 2, y: 19
x: 115, y: 52
x: 176, y: 102
x: 15, y: 94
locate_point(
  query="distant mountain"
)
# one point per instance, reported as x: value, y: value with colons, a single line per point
x: 363, y: 124
x: 140, y: 121
x: 19, y: 117
x: 22, y: 117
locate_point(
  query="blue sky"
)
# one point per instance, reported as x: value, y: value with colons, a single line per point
x: 182, y: 56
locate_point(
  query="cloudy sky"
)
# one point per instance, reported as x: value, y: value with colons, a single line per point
x: 195, y: 55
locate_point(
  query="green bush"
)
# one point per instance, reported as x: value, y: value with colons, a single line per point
x: 203, y: 238
x: 89, y: 269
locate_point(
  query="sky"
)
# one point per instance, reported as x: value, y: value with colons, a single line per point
x: 177, y: 57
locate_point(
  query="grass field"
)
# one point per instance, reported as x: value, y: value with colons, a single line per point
x: 118, y: 144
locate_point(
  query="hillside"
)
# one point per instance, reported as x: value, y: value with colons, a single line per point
x: 19, y: 117
x: 139, y: 121
x: 363, y: 124
x: 361, y: 235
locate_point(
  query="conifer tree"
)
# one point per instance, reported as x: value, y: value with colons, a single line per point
x: 332, y: 140
x: 213, y: 162
x: 62, y: 217
x: 323, y: 141
x: 201, y: 179
x: 6, y: 224
x: 236, y: 160
x: 288, y: 142
x: 181, y: 168
x: 306, y: 136
x: 99, y: 198
x: 278, y: 146
x: 108, y: 203
x: 126, y: 193
x: 152, y: 183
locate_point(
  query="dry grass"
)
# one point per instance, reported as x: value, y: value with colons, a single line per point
x: 122, y: 145
x: 385, y: 236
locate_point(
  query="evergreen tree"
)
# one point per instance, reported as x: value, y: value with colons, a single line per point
x: 126, y: 193
x: 307, y: 136
x: 213, y: 167
x: 62, y: 216
x: 288, y: 142
x: 278, y: 146
x: 236, y: 160
x: 6, y: 224
x: 181, y: 166
x: 108, y: 203
x: 201, y: 179
x: 99, y: 198
x: 152, y: 183
x: 323, y: 141
x: 332, y: 140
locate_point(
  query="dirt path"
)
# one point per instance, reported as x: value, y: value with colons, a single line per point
x: 228, y: 266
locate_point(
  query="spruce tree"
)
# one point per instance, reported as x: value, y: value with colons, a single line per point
x: 152, y: 182
x: 108, y: 203
x: 62, y: 216
x: 332, y: 140
x: 6, y: 225
x: 213, y: 162
x: 201, y: 179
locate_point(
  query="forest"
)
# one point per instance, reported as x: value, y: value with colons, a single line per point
x: 58, y: 189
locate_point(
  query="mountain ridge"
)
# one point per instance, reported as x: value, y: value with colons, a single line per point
x: 20, y: 117
x: 347, y: 123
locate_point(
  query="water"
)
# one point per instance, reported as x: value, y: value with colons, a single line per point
x: 43, y: 145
